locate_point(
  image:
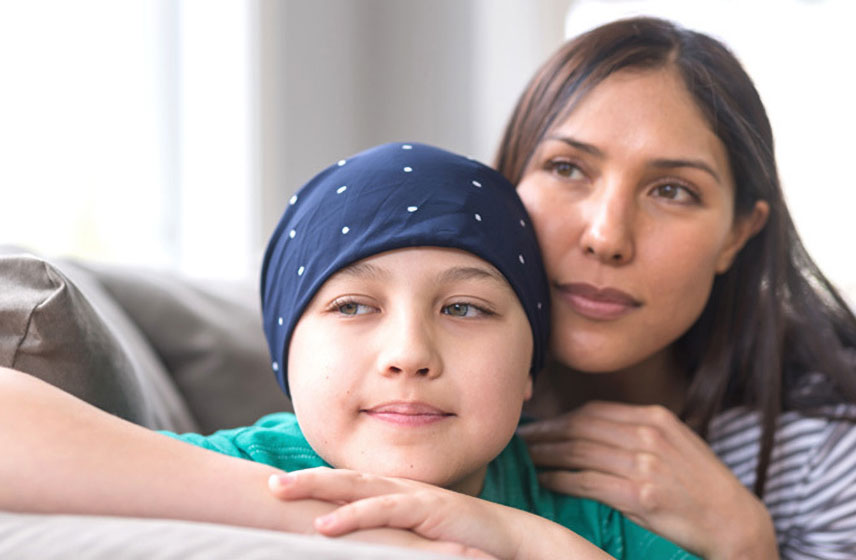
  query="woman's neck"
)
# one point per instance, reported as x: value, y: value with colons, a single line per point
x: 658, y: 380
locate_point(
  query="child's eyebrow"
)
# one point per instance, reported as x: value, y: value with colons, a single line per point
x: 452, y: 274
x: 364, y: 270
x: 460, y: 273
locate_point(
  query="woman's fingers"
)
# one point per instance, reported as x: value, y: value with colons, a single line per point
x: 583, y: 454
x: 651, y: 429
x: 576, y: 427
x: 628, y: 496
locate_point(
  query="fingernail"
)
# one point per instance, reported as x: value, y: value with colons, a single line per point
x: 324, y: 521
x: 280, y: 480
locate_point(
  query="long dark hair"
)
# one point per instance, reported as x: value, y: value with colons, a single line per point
x: 773, y: 321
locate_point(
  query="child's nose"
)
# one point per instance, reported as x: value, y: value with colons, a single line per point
x: 409, y: 348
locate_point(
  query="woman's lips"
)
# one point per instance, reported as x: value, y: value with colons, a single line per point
x: 599, y: 304
x: 407, y: 413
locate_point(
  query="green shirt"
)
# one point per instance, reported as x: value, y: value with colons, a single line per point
x: 511, y: 480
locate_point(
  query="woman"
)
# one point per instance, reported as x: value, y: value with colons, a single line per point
x: 682, y: 294
x: 750, y: 346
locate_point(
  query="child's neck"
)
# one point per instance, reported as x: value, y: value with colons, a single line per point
x: 471, y: 484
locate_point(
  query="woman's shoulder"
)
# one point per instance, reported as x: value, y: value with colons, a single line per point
x: 735, y: 435
x: 811, y: 482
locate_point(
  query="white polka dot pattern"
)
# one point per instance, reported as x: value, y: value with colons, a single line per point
x: 393, y: 196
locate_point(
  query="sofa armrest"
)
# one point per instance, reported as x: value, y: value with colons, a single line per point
x: 209, y: 336
x: 57, y: 323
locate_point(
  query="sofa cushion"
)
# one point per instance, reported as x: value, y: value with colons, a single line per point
x: 209, y: 336
x: 61, y: 326
x: 82, y: 537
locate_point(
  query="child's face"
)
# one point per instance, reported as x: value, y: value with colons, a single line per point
x: 412, y: 363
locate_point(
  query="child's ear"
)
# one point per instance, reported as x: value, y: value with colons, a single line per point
x: 527, y: 392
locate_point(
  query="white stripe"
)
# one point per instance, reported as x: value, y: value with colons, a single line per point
x: 811, y: 486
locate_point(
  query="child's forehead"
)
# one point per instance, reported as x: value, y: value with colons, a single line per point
x: 435, y: 264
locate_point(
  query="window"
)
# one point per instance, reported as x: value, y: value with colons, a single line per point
x: 127, y: 132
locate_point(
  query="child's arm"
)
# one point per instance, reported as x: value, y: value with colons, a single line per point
x: 432, y: 512
x: 61, y: 455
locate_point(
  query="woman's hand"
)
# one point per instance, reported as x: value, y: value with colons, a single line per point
x: 430, y: 512
x: 645, y: 462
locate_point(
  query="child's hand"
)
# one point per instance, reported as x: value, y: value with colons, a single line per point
x: 372, y: 502
x: 408, y: 539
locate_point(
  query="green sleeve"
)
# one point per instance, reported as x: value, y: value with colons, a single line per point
x: 610, y: 530
x: 628, y: 541
x: 274, y: 440
x: 223, y: 441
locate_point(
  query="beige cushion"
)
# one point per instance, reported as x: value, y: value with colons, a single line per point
x: 209, y: 336
x: 61, y: 326
x: 83, y: 537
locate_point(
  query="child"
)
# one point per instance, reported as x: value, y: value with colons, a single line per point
x: 404, y: 303
x: 405, y: 307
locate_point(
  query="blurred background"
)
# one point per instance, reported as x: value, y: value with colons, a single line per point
x: 171, y: 133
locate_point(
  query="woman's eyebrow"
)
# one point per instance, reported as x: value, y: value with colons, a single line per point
x: 662, y: 163
x: 582, y: 146
x: 693, y: 163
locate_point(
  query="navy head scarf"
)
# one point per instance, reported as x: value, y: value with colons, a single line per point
x: 390, y: 197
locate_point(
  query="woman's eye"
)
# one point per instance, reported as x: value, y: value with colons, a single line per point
x: 565, y: 169
x: 675, y: 192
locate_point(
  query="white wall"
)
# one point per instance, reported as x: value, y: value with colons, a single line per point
x: 171, y: 132
x: 339, y: 76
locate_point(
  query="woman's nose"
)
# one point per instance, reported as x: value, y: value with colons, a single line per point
x: 409, y: 348
x: 608, y: 229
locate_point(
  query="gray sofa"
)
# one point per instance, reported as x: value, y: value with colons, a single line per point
x: 159, y: 350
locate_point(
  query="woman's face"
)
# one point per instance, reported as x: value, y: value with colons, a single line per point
x: 632, y: 198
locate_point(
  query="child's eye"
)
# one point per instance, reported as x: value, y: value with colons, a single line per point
x: 464, y: 310
x: 675, y: 192
x: 352, y: 308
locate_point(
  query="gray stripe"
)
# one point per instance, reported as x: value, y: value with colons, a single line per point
x: 811, y: 487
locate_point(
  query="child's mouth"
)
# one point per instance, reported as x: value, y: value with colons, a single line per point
x: 407, y: 413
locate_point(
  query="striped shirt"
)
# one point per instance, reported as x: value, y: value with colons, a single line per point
x: 811, y: 484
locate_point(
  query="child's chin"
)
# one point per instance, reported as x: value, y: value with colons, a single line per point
x: 436, y: 474
x: 419, y: 473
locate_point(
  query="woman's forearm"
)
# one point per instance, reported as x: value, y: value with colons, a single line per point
x: 61, y: 455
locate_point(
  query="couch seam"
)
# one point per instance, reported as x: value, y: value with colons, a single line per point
x: 33, y: 310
